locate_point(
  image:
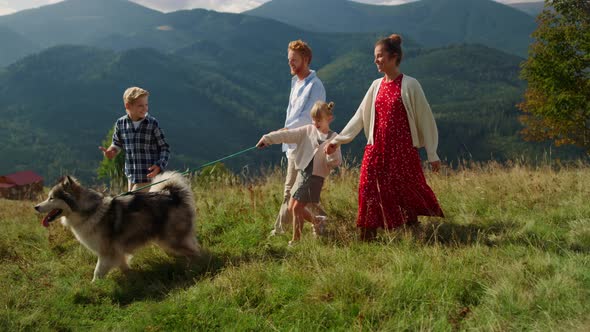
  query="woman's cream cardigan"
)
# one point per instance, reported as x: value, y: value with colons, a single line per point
x: 422, y: 125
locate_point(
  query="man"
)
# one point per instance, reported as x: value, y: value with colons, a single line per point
x: 306, y: 89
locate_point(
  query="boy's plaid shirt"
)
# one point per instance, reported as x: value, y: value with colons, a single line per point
x: 144, y: 147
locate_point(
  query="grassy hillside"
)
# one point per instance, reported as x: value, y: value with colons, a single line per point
x: 512, y: 254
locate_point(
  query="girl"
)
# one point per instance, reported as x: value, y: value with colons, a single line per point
x: 310, y: 161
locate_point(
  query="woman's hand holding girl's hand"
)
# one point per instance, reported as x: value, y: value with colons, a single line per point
x: 330, y: 148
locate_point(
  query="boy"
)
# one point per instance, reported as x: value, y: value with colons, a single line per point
x: 138, y: 133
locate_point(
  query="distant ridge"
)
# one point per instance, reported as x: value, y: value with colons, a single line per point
x: 15, y: 45
x: 78, y: 21
x: 531, y: 8
x: 433, y: 23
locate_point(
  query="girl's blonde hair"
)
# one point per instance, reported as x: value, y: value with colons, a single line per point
x: 134, y: 93
x: 321, y: 109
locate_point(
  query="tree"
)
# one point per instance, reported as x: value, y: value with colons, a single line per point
x: 557, y: 99
x: 113, y: 170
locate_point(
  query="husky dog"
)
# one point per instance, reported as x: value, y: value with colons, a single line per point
x: 113, y: 227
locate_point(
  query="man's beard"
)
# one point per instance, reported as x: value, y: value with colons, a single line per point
x: 296, y: 70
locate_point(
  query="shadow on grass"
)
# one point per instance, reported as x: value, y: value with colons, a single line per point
x: 430, y: 232
x: 161, y: 277
x: 493, y: 233
x: 451, y: 234
x: 490, y: 233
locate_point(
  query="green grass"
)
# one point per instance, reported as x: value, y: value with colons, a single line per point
x: 512, y: 254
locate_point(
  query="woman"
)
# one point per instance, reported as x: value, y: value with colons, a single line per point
x: 397, y: 120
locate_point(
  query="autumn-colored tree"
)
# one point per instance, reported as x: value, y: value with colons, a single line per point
x: 557, y: 99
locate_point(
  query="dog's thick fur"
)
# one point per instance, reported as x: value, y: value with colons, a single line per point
x: 113, y: 227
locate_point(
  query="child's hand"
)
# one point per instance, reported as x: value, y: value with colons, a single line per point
x: 330, y: 148
x: 110, y: 153
x: 261, y: 144
x: 154, y: 170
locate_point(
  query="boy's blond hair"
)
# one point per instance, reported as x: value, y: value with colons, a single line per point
x: 133, y: 93
x: 322, y: 109
x: 302, y: 48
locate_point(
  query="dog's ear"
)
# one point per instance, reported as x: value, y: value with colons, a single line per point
x: 66, y: 181
x: 69, y: 181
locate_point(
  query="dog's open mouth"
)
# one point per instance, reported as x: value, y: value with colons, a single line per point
x: 51, y: 217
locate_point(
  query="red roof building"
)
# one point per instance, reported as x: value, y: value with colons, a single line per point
x: 21, y: 185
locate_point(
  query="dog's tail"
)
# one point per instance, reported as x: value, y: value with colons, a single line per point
x: 176, y: 184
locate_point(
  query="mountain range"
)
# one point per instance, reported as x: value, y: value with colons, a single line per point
x: 79, y: 21
x: 218, y: 81
x: 433, y: 23
x: 121, y: 24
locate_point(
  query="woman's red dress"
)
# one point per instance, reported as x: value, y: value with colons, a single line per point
x: 392, y: 187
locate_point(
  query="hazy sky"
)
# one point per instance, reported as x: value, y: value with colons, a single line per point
x: 234, y: 6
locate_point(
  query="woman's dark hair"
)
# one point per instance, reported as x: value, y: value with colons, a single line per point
x: 392, y: 45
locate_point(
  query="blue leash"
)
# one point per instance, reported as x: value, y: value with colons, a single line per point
x: 190, y: 170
